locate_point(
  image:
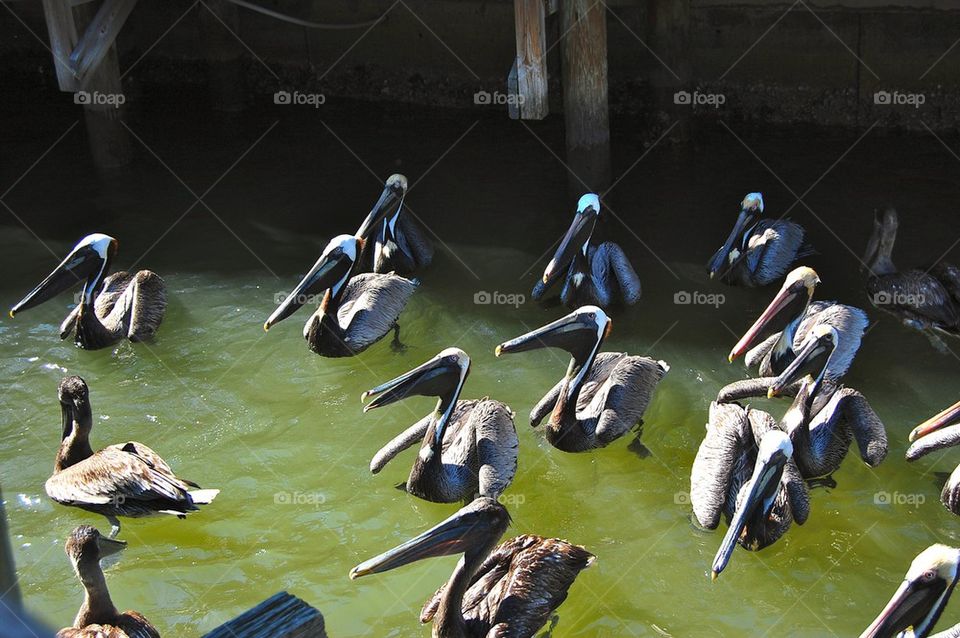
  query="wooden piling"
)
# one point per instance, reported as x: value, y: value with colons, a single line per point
x: 670, y: 37
x: 585, y: 102
x: 219, y: 22
x: 280, y: 616
x: 102, y: 98
x: 531, y: 63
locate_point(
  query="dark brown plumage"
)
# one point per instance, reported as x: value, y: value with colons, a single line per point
x: 98, y: 617
x: 127, y: 479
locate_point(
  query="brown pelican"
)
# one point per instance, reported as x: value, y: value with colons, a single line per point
x: 758, y: 251
x: 356, y: 311
x: 507, y: 590
x: 127, y: 479
x: 936, y: 433
x: 592, y: 274
x: 468, y: 448
x: 920, y: 599
x: 122, y: 305
x: 98, y: 618
x: 926, y: 300
x: 400, y: 245
x: 602, y: 395
x: 744, y: 470
x: 826, y: 416
x: 790, y: 317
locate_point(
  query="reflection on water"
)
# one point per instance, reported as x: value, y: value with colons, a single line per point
x: 281, y: 432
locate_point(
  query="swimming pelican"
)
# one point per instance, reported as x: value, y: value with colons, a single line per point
x: 925, y: 300
x: 744, y: 470
x: 507, y: 590
x: 790, y: 317
x: 121, y: 305
x: 356, y: 311
x: 400, y: 245
x: 936, y: 433
x: 921, y: 597
x: 592, y: 274
x: 127, y: 479
x: 602, y: 395
x: 758, y: 251
x: 98, y: 618
x: 826, y: 416
x: 467, y: 448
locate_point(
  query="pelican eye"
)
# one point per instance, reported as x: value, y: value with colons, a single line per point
x: 928, y: 575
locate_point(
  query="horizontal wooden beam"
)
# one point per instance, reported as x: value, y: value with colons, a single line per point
x: 280, y: 616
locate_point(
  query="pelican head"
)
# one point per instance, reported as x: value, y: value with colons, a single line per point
x: 785, y: 309
x: 751, y: 208
x: 331, y: 272
x: 878, y: 257
x: 74, y: 404
x: 579, y: 332
x: 577, y: 237
x: 390, y: 201
x: 813, y: 359
x: 474, y: 528
x: 85, y: 546
x: 754, y: 508
x: 922, y: 595
x: 89, y: 260
x: 442, y: 377
x: 950, y: 416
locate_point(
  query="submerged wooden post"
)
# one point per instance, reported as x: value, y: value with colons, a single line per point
x: 219, y: 22
x: 531, y: 64
x: 103, y: 102
x: 9, y: 587
x: 585, y: 110
x: 280, y: 616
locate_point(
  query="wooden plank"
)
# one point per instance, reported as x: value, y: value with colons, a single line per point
x: 99, y: 36
x: 280, y: 616
x: 529, y: 17
x: 62, y: 32
x: 513, y: 107
x: 585, y: 107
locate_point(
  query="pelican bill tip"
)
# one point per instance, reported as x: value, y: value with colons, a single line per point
x: 771, y: 393
x: 713, y: 575
x: 712, y: 274
x: 731, y: 357
x: 914, y: 434
x: 498, y: 350
x: 13, y: 313
x: 266, y: 326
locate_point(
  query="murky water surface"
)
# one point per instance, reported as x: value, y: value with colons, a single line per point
x: 281, y: 431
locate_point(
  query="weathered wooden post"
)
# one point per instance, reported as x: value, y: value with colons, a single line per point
x: 9, y: 587
x: 585, y: 109
x: 101, y: 94
x: 219, y: 22
x: 530, y: 68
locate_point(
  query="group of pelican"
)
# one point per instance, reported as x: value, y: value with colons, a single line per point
x: 751, y: 468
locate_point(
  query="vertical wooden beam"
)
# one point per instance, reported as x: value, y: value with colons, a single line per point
x: 9, y: 587
x: 108, y: 139
x: 219, y: 21
x: 63, y: 36
x: 585, y: 107
x: 531, y: 65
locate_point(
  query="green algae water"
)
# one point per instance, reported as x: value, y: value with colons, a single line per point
x: 281, y: 431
